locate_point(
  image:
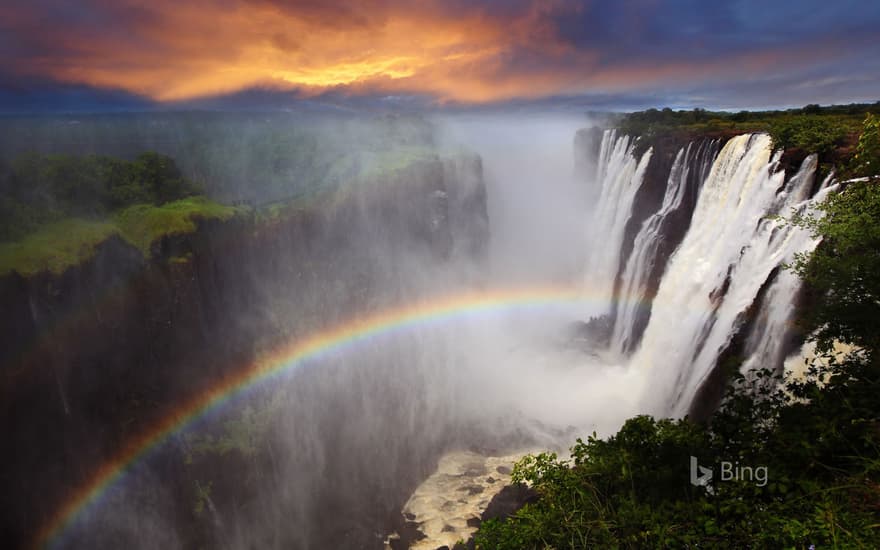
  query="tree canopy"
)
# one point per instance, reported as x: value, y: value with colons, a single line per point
x: 37, y: 188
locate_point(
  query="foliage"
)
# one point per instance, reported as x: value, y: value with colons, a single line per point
x: 807, y: 132
x: 56, y: 209
x: 817, y: 440
x: 817, y: 435
x: 866, y: 161
x: 814, y: 129
x: 143, y: 224
x: 844, y: 272
x: 55, y: 246
x: 59, y: 245
x: 39, y: 188
x: 252, y: 156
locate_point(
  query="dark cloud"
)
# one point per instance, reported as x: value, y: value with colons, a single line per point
x: 21, y: 96
x: 452, y: 53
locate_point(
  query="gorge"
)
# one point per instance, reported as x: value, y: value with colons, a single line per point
x: 287, y: 375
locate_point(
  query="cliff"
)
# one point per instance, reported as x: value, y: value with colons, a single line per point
x: 93, y: 354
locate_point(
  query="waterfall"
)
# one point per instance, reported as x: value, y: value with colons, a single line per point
x: 766, y: 344
x: 621, y: 177
x: 731, y: 249
x: 689, y: 169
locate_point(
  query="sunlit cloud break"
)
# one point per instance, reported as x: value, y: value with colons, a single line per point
x: 458, y: 52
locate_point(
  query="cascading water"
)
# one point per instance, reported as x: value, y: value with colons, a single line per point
x: 621, y: 176
x: 690, y: 161
x: 731, y: 249
x: 765, y: 344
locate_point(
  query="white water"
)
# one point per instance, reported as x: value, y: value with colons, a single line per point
x: 717, y: 271
x: 728, y: 255
x: 644, y: 254
x: 621, y: 176
x: 458, y: 491
x: 766, y: 343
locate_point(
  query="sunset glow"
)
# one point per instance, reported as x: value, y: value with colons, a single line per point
x: 459, y: 52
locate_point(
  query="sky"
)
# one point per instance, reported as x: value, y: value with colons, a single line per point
x: 106, y: 55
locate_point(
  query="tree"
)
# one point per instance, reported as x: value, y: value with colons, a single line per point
x: 866, y: 161
x: 811, y: 133
x: 161, y: 178
x: 843, y: 273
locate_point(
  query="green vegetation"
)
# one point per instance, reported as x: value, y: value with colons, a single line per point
x: 829, y: 131
x: 40, y: 188
x: 143, y: 224
x: 55, y: 246
x: 817, y: 438
x: 281, y: 164
x: 818, y: 434
x: 866, y: 161
x: 235, y: 156
x: 816, y: 134
x: 56, y: 209
x: 844, y: 272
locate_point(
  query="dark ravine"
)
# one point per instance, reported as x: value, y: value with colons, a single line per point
x: 96, y: 354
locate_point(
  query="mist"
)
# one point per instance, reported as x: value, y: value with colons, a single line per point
x: 526, y: 249
x: 537, y: 208
x: 384, y: 212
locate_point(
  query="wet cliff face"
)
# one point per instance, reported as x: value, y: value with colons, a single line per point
x: 92, y: 356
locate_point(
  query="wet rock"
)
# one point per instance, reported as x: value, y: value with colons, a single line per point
x: 472, y: 489
x: 409, y: 534
x: 510, y: 499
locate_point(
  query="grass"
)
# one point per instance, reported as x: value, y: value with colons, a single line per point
x: 142, y: 224
x: 56, y: 246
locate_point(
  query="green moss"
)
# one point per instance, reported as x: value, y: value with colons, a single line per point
x: 55, y: 246
x: 143, y: 224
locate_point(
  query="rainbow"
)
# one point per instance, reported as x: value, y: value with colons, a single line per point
x: 285, y: 359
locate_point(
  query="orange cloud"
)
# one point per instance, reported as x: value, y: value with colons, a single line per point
x: 172, y: 51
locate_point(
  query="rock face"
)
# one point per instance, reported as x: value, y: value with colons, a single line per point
x: 92, y: 356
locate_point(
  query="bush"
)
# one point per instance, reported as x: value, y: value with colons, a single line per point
x: 866, y: 161
x: 632, y: 490
x: 39, y: 188
x: 813, y: 134
x: 818, y: 436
